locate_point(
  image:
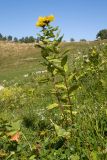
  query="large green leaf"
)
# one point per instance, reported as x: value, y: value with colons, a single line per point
x: 61, y: 132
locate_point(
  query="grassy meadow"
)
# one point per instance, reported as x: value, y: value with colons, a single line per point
x: 17, y: 59
x: 27, y: 93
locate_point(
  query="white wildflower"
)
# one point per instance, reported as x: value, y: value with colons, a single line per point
x: 40, y: 72
x: 1, y: 87
x: 26, y: 75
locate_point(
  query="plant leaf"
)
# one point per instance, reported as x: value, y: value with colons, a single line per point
x: 55, y: 60
x: 60, y: 86
x: 66, y: 67
x: 51, y: 106
x: 74, y: 157
x: 65, y: 52
x: 16, y: 125
x: 64, y: 60
x: 61, y: 132
x: 94, y: 155
x: 60, y: 39
x: 73, y: 88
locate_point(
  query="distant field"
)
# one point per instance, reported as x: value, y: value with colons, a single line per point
x: 17, y: 59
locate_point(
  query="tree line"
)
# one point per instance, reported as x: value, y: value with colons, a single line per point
x: 102, y: 34
x: 27, y: 39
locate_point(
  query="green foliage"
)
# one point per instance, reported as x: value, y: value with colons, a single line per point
x: 1, y: 36
x: 9, y: 38
x: 83, y: 40
x: 29, y: 39
x: 15, y: 39
x: 102, y: 34
x: 69, y: 88
x: 72, y: 40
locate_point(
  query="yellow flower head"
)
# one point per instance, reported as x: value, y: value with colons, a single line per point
x: 44, y: 21
x: 50, y: 18
x: 40, y: 24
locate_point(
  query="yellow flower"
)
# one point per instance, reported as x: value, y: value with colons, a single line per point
x: 41, y: 19
x: 44, y: 21
x: 40, y: 24
x: 50, y: 18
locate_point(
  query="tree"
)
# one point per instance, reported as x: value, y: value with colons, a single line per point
x: 9, y: 38
x: 31, y: 39
x: 26, y: 40
x: 83, y: 40
x: 15, y: 39
x: 22, y: 40
x: 72, y: 40
x: 102, y: 34
x: 1, y: 36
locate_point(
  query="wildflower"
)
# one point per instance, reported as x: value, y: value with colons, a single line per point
x: 40, y: 24
x: 44, y: 21
x: 50, y: 18
x: 1, y: 87
x: 15, y: 137
x: 40, y: 72
x: 26, y: 75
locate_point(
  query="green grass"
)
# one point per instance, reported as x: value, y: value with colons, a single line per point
x: 25, y: 100
x: 17, y: 59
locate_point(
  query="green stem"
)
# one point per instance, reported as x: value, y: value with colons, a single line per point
x: 10, y: 155
x: 57, y: 96
x: 57, y: 93
x: 27, y: 141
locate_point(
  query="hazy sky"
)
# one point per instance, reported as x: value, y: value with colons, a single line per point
x: 76, y: 18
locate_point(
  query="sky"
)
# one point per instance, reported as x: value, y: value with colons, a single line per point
x: 78, y: 19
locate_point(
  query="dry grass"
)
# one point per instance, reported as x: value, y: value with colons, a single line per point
x: 17, y: 59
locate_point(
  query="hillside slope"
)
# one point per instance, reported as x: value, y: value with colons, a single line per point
x: 17, y: 59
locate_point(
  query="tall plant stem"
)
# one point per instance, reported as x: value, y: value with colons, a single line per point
x: 58, y: 98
